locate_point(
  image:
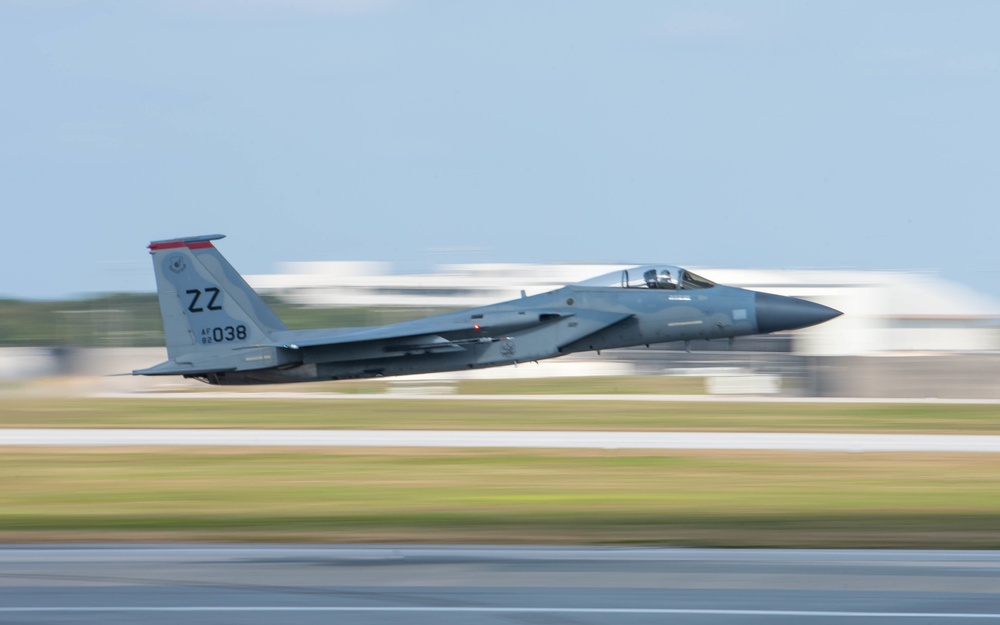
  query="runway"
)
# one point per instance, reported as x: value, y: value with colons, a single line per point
x: 415, y: 395
x: 774, y: 441
x: 364, y: 585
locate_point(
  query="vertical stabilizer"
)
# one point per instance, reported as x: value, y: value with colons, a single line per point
x: 208, y: 309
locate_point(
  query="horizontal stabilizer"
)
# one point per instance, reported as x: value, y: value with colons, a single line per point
x: 173, y: 368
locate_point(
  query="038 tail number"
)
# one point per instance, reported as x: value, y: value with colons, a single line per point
x: 227, y: 333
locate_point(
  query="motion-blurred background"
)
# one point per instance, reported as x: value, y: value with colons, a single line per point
x: 906, y: 335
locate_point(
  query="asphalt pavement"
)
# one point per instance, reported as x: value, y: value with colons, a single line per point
x: 479, y: 585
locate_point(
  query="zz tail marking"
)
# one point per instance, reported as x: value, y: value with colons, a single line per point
x: 195, y: 308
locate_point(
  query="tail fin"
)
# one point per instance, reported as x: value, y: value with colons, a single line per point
x: 208, y: 309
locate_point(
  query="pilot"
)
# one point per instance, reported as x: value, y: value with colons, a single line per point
x: 650, y: 277
x: 666, y: 280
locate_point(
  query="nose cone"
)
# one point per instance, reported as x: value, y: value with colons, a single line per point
x: 776, y: 313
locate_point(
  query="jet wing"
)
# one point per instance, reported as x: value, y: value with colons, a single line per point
x: 437, y: 344
x: 446, y: 332
x: 321, y: 338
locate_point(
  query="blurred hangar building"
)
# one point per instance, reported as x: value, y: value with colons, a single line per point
x: 903, y: 334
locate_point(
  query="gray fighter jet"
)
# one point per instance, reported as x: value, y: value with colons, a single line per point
x: 220, y: 331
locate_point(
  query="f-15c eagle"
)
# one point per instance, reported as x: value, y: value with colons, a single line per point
x: 220, y: 331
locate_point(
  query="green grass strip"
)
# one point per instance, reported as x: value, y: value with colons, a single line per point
x: 578, y: 497
x: 375, y: 413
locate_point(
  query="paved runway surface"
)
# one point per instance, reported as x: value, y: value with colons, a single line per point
x: 409, y: 395
x: 365, y: 585
x: 504, y: 439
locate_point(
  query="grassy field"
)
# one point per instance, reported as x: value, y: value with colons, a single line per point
x: 780, y: 499
x: 377, y: 413
x: 604, y: 497
x: 610, y: 385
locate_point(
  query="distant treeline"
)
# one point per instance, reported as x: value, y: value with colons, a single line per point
x: 133, y: 320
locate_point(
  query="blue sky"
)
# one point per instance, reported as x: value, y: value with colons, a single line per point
x: 860, y: 135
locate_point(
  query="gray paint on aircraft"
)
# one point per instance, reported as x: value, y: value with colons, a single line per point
x: 220, y: 331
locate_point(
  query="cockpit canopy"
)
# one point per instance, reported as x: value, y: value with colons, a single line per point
x: 667, y: 277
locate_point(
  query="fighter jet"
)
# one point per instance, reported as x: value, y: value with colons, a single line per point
x: 218, y: 330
